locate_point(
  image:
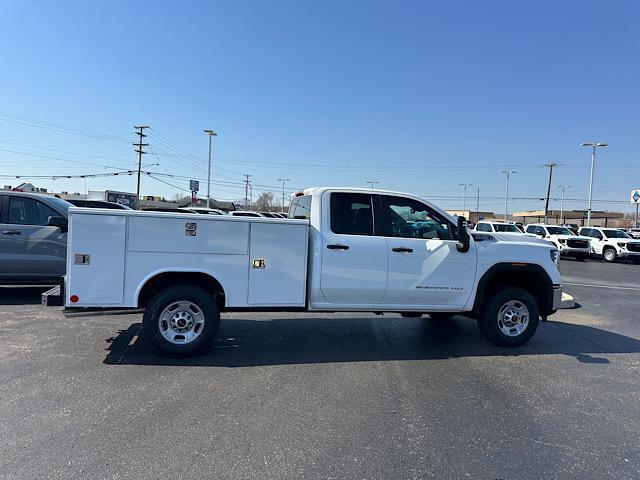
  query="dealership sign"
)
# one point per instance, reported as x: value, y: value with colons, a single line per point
x: 635, y: 196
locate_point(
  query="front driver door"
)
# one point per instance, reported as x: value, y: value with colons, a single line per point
x: 426, y: 270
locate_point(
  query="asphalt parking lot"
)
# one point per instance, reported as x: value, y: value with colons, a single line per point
x: 327, y: 396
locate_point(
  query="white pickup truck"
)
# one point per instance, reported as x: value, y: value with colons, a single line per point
x: 340, y: 250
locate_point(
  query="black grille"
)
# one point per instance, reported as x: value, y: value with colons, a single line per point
x: 577, y: 243
x: 633, y: 247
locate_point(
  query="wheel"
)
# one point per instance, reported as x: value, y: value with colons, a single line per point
x: 181, y: 320
x: 609, y: 254
x: 510, y: 317
x: 441, y: 315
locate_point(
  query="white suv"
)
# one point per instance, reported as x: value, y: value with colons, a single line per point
x: 499, y: 227
x: 564, y: 239
x: 612, y: 243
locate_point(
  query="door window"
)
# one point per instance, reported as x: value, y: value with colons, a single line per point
x: 351, y: 214
x: 27, y: 211
x: 484, y: 227
x: 408, y: 218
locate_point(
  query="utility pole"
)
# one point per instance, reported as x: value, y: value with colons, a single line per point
x: 210, y: 133
x: 371, y: 183
x: 464, y: 201
x: 594, y: 145
x: 246, y: 191
x: 283, y: 180
x: 551, y: 166
x: 477, y: 205
x: 506, y: 195
x: 140, y: 145
x: 562, y: 202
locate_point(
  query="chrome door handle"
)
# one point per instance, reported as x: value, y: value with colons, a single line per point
x: 402, y: 249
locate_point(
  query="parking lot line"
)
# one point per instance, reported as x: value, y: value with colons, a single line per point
x: 595, y: 285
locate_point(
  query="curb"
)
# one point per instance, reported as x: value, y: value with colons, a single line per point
x: 567, y: 301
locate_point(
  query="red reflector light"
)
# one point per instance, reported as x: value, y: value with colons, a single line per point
x: 74, y: 298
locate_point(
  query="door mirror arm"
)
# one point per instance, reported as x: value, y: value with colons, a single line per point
x: 464, y: 240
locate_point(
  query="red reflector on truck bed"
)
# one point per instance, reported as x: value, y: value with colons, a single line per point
x: 74, y: 298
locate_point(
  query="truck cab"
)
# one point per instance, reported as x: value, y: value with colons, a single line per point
x: 341, y: 249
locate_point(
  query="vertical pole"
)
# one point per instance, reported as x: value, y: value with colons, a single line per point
x: 546, y: 205
x: 141, y: 135
x: 477, y: 206
x: 593, y: 161
x: 636, y: 225
x: 209, y: 176
x: 506, y: 197
x: 464, y: 199
x: 562, y: 207
x: 246, y: 192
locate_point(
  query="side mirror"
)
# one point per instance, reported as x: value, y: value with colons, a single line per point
x: 463, y: 235
x: 59, y: 222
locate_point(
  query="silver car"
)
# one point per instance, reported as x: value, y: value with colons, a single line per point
x: 33, y: 238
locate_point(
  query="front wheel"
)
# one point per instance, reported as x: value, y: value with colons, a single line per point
x: 182, y: 319
x: 510, y: 317
x: 610, y: 255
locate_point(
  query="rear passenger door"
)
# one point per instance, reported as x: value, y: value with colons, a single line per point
x: 354, y: 263
x: 29, y: 248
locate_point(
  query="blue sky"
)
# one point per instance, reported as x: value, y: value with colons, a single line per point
x: 419, y: 96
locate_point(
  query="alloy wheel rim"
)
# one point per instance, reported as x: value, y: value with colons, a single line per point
x: 513, y: 318
x: 181, y: 322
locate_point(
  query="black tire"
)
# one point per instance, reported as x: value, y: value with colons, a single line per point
x: 609, y: 254
x: 490, y: 325
x: 200, y: 298
x: 441, y: 315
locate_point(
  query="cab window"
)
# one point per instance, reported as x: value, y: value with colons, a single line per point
x: 484, y: 227
x: 351, y: 214
x: 408, y: 218
x: 27, y: 211
x: 301, y: 207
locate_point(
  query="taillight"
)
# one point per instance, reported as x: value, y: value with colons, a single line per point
x: 74, y: 298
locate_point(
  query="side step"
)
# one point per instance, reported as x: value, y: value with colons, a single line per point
x: 52, y: 297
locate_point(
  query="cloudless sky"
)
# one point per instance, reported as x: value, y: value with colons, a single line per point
x: 419, y: 96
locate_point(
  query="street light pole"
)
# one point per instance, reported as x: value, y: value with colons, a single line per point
x: 506, y: 196
x: 546, y: 205
x: 371, y: 183
x: 594, y: 145
x: 562, y: 202
x: 464, y: 199
x: 211, y: 133
x: 283, y: 180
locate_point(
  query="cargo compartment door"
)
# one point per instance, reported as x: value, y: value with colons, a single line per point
x: 278, y: 264
x: 95, y: 259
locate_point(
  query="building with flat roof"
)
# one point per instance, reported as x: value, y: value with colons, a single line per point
x: 598, y: 217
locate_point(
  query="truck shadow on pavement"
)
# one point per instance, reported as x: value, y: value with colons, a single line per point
x: 247, y: 343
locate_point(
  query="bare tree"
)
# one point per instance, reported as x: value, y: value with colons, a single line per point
x: 264, y: 202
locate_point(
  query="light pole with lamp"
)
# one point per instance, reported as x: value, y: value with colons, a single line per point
x: 508, y: 173
x: 594, y: 145
x: 563, y: 187
x: 211, y: 133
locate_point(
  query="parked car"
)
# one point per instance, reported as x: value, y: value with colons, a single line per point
x: 33, y: 238
x: 77, y: 202
x: 491, y: 226
x: 634, y: 232
x: 564, y: 239
x: 612, y: 243
x: 203, y: 210
x: 342, y: 257
x: 244, y: 213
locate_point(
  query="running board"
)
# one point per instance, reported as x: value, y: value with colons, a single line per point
x: 95, y: 312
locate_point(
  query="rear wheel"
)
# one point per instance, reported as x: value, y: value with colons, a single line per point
x: 609, y: 254
x: 510, y: 317
x: 181, y: 320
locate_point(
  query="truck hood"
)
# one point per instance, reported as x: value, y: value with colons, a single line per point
x: 515, y: 237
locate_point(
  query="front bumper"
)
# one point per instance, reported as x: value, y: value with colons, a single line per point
x: 564, y: 250
x: 626, y: 253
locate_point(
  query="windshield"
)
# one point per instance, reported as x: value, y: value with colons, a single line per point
x: 559, y: 231
x: 615, y: 234
x: 60, y: 203
x: 506, y: 227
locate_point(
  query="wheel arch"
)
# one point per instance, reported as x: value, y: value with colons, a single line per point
x: 159, y: 280
x: 528, y: 276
